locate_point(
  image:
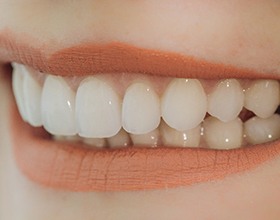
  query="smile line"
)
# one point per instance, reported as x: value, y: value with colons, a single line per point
x: 67, y: 166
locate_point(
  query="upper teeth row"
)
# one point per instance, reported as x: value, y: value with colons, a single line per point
x: 96, y: 110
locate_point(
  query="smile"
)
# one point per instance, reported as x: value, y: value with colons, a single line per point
x: 133, y: 128
x: 149, y: 111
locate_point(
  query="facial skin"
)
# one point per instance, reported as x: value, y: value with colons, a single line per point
x: 241, y: 33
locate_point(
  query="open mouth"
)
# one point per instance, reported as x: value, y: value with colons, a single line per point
x: 135, y: 130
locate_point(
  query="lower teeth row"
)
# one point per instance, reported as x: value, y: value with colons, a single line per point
x: 212, y: 133
x: 177, y: 118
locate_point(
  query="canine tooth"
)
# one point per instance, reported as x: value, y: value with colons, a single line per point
x: 258, y: 130
x: 172, y: 137
x: 150, y: 139
x: 32, y: 92
x: 95, y: 142
x: 98, y: 109
x: 141, y: 109
x: 121, y: 139
x: 184, y: 104
x: 58, y: 107
x: 226, y: 101
x: 262, y: 97
x: 18, y: 77
x: 223, y: 135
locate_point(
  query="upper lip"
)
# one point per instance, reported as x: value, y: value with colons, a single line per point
x: 117, y: 57
x: 160, y: 167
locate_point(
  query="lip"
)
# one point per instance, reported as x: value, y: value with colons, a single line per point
x: 117, y: 57
x: 73, y: 167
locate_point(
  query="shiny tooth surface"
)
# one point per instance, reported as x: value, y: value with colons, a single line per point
x: 58, y: 107
x: 172, y: 137
x: 184, y: 104
x: 226, y: 101
x: 223, y: 135
x: 262, y: 97
x: 95, y: 142
x: 17, y: 84
x: 258, y: 130
x: 141, y: 109
x: 98, y: 109
x: 32, y: 92
x: 121, y: 139
x: 150, y: 139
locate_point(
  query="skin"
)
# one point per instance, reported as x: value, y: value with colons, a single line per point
x: 242, y: 33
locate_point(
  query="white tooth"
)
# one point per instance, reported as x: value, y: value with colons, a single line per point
x: 32, y: 92
x: 95, y: 142
x: 172, y: 137
x: 184, y: 104
x: 226, y: 101
x: 58, y: 107
x: 223, y: 135
x: 18, y: 77
x: 150, y: 139
x: 71, y: 138
x: 141, y: 109
x: 262, y: 97
x: 98, y: 109
x: 121, y: 139
x: 258, y: 130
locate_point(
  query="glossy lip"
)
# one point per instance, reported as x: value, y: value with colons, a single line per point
x: 75, y: 168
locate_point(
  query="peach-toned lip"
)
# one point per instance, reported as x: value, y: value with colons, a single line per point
x: 72, y: 167
x: 117, y: 57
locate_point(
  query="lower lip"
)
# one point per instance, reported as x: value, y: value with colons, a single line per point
x: 74, y: 167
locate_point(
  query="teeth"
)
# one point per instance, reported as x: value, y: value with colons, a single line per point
x: 95, y: 142
x: 258, y: 130
x: 262, y: 97
x: 184, y: 104
x: 58, y: 107
x: 18, y: 89
x: 226, y: 101
x: 122, y: 139
x: 32, y: 92
x: 141, y: 109
x: 223, y: 135
x: 97, y: 116
x: 172, y: 137
x: 98, y: 109
x: 150, y: 139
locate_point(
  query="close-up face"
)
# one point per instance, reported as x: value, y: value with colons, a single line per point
x: 120, y: 110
